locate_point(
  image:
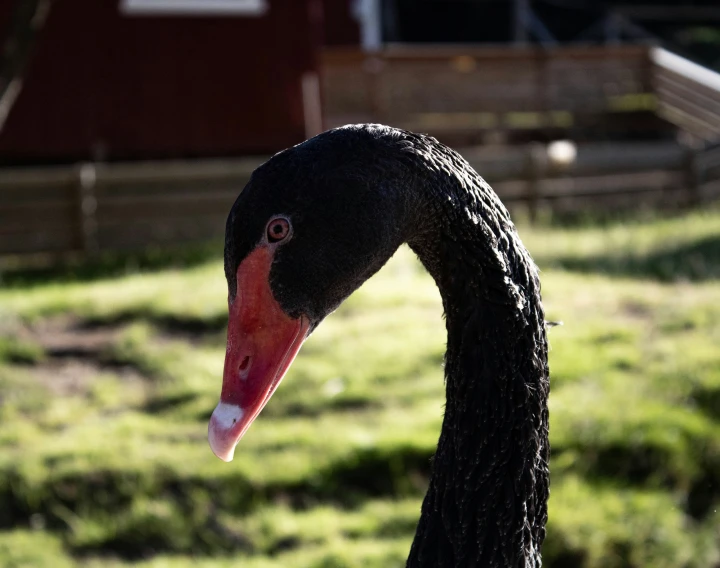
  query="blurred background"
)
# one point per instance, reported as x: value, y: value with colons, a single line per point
x: 127, y: 130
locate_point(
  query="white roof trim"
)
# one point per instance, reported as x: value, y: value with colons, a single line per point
x: 685, y: 67
x: 194, y: 7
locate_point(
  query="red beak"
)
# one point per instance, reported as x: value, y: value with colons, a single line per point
x: 262, y: 342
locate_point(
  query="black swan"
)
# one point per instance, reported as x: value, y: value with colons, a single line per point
x: 315, y: 222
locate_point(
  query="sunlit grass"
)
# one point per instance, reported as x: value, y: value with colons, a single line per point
x: 115, y: 470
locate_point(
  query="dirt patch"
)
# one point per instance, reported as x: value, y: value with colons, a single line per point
x: 74, y: 354
x: 68, y: 352
x: 66, y: 338
x: 193, y: 330
x: 67, y: 377
x: 636, y: 310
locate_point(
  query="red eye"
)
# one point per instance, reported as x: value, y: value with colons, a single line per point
x: 278, y: 229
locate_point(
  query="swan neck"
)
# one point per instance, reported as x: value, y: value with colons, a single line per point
x: 487, y: 499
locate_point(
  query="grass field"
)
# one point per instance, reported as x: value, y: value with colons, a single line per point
x: 106, y: 386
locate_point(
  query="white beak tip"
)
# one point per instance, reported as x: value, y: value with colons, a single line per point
x: 226, y: 457
x: 223, y: 434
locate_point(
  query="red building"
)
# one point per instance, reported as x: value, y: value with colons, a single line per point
x: 138, y: 79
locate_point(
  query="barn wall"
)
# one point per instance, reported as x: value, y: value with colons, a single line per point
x: 340, y: 28
x: 102, y: 84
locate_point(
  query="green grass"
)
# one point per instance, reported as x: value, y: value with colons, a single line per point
x: 103, y: 452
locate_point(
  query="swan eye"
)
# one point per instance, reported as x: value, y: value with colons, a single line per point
x: 278, y: 229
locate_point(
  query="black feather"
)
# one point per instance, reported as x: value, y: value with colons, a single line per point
x: 353, y: 196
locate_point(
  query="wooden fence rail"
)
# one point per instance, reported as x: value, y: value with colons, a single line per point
x: 99, y: 207
x: 94, y: 207
x: 450, y: 90
x: 458, y: 92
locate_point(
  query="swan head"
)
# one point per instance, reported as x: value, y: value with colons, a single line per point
x: 312, y: 224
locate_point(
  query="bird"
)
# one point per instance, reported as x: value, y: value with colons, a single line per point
x: 316, y: 221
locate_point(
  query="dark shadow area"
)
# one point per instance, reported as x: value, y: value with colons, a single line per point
x: 347, y: 483
x: 695, y: 261
x: 106, y: 265
x: 650, y: 464
x: 558, y: 552
x: 167, y: 403
x: 190, y: 328
x: 310, y: 408
x: 703, y: 496
x: 707, y: 398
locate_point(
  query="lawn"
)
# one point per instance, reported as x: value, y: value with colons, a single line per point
x: 106, y: 387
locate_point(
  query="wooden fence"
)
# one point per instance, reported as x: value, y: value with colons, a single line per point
x: 94, y: 207
x: 448, y: 90
x: 98, y: 207
x: 453, y: 92
x: 440, y: 90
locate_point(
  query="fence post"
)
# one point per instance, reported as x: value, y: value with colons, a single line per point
x: 86, y: 207
x: 535, y: 165
x: 373, y: 65
x: 692, y: 177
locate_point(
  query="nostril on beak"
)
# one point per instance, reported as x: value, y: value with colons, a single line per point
x: 244, y: 366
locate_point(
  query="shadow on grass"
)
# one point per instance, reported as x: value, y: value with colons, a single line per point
x: 184, y: 326
x: 190, y: 504
x: 107, y: 265
x: 695, y: 261
x: 180, y: 511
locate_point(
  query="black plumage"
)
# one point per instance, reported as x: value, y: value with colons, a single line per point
x: 353, y: 195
